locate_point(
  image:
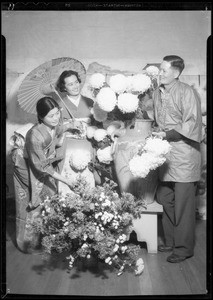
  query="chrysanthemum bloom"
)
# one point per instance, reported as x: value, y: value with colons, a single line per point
x: 100, y: 134
x: 90, y: 131
x: 104, y: 155
x: 141, y: 83
x: 127, y: 102
x: 152, y: 71
x: 157, y: 146
x: 79, y: 159
x: 118, y: 83
x: 99, y: 114
x: 106, y: 99
x: 139, y: 166
x: 140, y: 266
x: 97, y: 80
x: 111, y: 129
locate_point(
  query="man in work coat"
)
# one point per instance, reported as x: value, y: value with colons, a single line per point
x: 177, y: 112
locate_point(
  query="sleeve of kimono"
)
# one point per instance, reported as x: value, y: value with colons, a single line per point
x: 36, y: 155
x: 190, y: 127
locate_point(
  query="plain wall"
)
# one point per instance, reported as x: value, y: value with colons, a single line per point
x: 119, y: 39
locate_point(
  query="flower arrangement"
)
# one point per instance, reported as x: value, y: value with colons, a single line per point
x: 101, y: 142
x: 89, y: 222
x: 150, y: 156
x: 122, y: 95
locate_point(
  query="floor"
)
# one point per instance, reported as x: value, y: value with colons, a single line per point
x: 31, y: 275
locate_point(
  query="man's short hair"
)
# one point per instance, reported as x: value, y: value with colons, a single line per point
x: 176, y: 62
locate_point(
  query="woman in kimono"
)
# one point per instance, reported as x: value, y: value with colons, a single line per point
x: 78, y: 107
x: 36, y: 173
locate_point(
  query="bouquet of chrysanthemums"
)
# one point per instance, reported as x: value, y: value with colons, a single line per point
x: 150, y: 156
x: 122, y: 94
x: 102, y: 143
x: 92, y: 222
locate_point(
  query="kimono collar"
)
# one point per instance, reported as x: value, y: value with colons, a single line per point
x: 75, y: 101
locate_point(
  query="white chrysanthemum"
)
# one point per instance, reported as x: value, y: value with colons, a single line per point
x: 104, y: 155
x: 118, y: 83
x: 157, y: 146
x: 111, y: 129
x: 127, y: 102
x: 90, y: 131
x: 139, y: 166
x: 79, y: 159
x: 152, y: 71
x: 140, y: 266
x: 106, y: 99
x: 97, y: 80
x: 100, y: 134
x: 141, y: 83
x: 155, y: 161
x: 99, y: 114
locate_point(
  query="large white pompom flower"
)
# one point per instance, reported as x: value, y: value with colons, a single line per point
x: 111, y: 129
x: 100, y: 134
x: 140, y: 83
x: 127, y: 102
x: 157, y: 146
x: 152, y: 71
x: 99, y: 114
x: 118, y: 83
x: 90, y: 131
x: 97, y: 80
x: 106, y: 99
x: 79, y: 159
x: 139, y: 166
x: 104, y: 155
x: 140, y: 266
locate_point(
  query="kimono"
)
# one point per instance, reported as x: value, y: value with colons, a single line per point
x: 179, y: 108
x: 34, y: 162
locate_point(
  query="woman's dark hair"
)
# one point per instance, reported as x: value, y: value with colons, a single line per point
x: 43, y: 106
x: 175, y: 61
x: 61, y: 84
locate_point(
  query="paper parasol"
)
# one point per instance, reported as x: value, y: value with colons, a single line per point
x: 41, y: 81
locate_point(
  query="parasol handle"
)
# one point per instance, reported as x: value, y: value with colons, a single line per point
x: 56, y: 92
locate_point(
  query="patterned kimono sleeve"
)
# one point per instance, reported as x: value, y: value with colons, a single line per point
x: 36, y: 154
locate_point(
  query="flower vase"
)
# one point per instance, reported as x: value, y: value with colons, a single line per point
x: 126, y: 147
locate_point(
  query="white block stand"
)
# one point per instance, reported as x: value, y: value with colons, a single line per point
x: 146, y: 227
